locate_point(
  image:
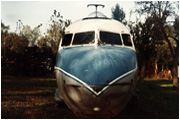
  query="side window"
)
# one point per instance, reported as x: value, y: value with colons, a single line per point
x: 83, y: 38
x: 127, y: 39
x: 66, y: 40
x: 110, y: 38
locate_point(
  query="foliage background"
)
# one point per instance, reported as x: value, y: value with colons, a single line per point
x: 27, y: 52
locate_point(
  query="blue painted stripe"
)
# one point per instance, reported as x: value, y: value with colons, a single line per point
x: 90, y: 88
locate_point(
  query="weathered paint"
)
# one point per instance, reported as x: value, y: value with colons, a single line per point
x: 96, y: 66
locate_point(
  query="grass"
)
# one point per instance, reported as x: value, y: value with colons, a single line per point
x: 156, y: 100
x: 164, y: 101
x: 29, y: 98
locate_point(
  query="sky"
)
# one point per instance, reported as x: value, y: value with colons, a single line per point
x: 34, y: 13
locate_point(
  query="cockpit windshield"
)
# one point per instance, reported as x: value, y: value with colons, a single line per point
x: 67, y: 40
x: 110, y: 38
x: 84, y: 38
x: 127, y: 39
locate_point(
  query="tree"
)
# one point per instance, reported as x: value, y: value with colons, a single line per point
x: 12, y: 41
x: 4, y: 28
x: 18, y: 42
x: 42, y: 42
x: 57, y: 27
x: 13, y: 51
x: 160, y: 11
x: 19, y: 57
x: 4, y: 37
x: 118, y: 13
x: 5, y: 44
x: 31, y: 35
x: 145, y: 46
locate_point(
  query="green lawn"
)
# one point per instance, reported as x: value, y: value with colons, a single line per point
x: 28, y: 98
x: 156, y: 99
x: 164, y: 101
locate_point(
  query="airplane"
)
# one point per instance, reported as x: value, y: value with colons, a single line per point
x: 96, y: 66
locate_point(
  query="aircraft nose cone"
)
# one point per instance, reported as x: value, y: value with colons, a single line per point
x: 96, y: 66
x: 97, y: 88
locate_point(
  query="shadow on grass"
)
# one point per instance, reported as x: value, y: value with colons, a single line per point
x: 29, y: 98
x: 156, y: 100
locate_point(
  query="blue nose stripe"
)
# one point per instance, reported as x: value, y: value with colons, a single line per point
x: 96, y: 65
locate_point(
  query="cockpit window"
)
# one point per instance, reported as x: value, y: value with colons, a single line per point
x: 67, y: 40
x: 110, y: 38
x: 83, y: 38
x: 127, y: 39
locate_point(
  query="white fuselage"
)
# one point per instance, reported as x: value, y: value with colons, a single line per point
x: 96, y: 75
